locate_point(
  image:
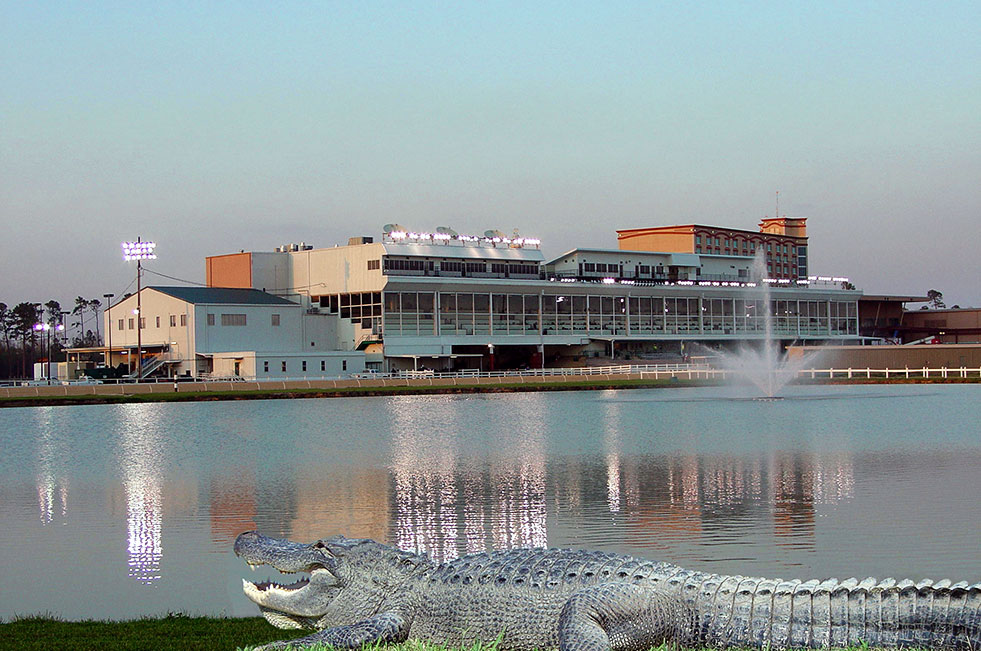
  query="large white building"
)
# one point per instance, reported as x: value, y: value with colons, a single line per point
x: 224, y: 332
x: 446, y: 301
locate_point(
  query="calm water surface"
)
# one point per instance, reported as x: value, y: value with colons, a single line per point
x: 119, y: 511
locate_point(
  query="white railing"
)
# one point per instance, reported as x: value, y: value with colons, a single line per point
x: 652, y: 371
x: 944, y: 372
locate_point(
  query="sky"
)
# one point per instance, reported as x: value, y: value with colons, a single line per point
x: 212, y: 127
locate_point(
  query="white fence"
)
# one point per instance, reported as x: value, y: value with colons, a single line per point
x: 646, y: 371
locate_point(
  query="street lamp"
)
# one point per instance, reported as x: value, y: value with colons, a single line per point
x: 108, y: 298
x: 45, y: 330
x: 139, y: 251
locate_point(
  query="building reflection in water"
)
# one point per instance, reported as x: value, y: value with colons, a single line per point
x: 519, y: 510
x: 141, y: 457
x: 447, y: 503
x: 52, y: 480
x: 232, y: 505
x: 448, y: 492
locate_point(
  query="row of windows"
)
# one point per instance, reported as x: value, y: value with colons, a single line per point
x: 459, y: 266
x: 602, y: 267
x: 226, y: 320
x: 239, y: 320
x: 284, y: 365
x: 738, y: 242
x: 352, y: 306
x: 424, y: 313
x: 374, y: 265
x: 130, y: 323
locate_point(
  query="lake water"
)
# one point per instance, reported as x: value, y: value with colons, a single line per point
x: 118, y: 511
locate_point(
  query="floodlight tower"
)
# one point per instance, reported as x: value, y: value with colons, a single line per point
x: 139, y: 251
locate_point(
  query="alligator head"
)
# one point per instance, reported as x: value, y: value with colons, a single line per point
x: 346, y: 579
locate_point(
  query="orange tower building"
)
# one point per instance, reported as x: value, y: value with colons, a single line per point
x: 783, y: 240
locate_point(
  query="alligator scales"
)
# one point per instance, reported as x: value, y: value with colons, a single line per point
x: 361, y: 591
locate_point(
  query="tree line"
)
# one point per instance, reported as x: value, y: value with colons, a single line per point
x: 24, y: 343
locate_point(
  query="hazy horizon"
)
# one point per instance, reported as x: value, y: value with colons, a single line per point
x: 215, y: 128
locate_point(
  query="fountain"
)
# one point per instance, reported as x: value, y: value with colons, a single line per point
x: 764, y: 366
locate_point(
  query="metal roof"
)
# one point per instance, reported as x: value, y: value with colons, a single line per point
x: 222, y: 295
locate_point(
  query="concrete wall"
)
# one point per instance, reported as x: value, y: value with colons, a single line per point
x: 338, y: 270
x: 234, y: 270
x: 318, y: 364
x: 155, y: 305
x: 258, y: 334
x: 677, y: 240
x: 897, y: 357
x: 271, y: 272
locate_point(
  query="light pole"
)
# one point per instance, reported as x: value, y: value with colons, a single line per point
x: 139, y: 251
x: 64, y: 338
x: 108, y: 298
x: 41, y: 328
x: 45, y: 330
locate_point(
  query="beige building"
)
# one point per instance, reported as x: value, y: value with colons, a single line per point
x: 446, y: 302
x: 782, y: 239
x: 224, y: 332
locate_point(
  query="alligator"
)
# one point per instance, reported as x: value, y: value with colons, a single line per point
x: 360, y: 591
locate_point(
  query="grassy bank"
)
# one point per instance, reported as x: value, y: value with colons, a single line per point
x: 274, y: 394
x: 577, y: 385
x: 174, y: 632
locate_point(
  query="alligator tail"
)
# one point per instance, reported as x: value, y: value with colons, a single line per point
x: 742, y: 611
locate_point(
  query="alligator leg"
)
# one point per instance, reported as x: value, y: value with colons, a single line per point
x: 621, y: 616
x: 380, y: 629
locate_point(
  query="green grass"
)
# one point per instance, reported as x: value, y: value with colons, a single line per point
x: 178, y: 633
x: 173, y: 632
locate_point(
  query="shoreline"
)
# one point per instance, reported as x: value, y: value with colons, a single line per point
x: 222, y: 391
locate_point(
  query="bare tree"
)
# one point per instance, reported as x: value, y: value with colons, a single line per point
x: 81, y: 306
x: 94, y: 305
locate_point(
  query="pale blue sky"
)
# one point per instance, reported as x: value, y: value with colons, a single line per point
x: 214, y: 127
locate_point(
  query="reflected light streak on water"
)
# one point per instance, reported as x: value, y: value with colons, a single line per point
x: 611, y: 443
x: 424, y: 460
x: 519, y: 478
x: 52, y: 479
x: 141, y: 458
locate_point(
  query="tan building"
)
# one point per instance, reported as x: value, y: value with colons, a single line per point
x: 953, y: 326
x: 783, y: 239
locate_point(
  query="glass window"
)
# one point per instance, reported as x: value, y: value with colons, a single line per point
x: 211, y: 319
x: 173, y: 320
x: 183, y: 319
x: 230, y: 319
x: 275, y: 319
x: 284, y: 365
x: 265, y: 367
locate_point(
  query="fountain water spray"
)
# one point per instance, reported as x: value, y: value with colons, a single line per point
x: 764, y: 365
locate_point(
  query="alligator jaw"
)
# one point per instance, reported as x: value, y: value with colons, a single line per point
x: 306, y: 597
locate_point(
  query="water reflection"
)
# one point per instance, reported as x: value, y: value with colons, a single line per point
x: 449, y: 475
x: 447, y: 503
x: 141, y: 458
x: 52, y: 479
